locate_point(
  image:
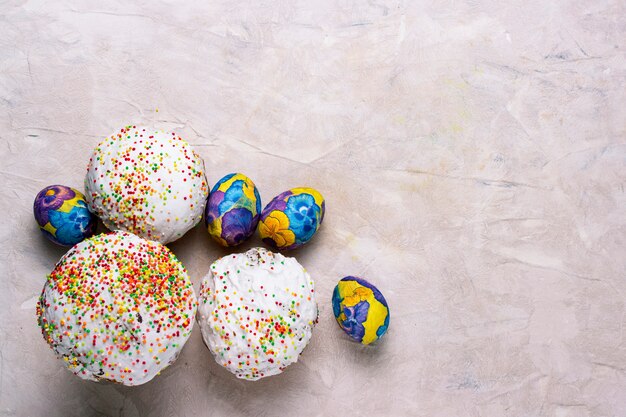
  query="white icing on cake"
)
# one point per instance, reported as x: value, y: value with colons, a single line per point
x: 146, y: 182
x: 117, y: 307
x: 256, y: 311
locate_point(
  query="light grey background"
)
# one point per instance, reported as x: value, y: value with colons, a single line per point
x: 472, y: 155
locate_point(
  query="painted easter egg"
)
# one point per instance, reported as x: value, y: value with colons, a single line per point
x: 291, y: 219
x: 232, y: 210
x: 62, y: 215
x: 360, y: 309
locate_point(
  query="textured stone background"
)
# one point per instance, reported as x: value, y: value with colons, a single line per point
x: 473, y: 157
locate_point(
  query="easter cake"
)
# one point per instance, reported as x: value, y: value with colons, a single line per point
x: 147, y: 182
x: 256, y: 311
x: 117, y: 307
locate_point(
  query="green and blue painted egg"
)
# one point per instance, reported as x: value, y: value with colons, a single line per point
x: 291, y: 219
x: 360, y: 309
x: 232, y: 210
x: 63, y: 216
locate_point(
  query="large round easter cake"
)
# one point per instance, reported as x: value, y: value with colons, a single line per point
x: 117, y: 307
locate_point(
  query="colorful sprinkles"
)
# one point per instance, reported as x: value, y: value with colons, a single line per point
x: 117, y: 307
x: 257, y: 311
x: 147, y: 182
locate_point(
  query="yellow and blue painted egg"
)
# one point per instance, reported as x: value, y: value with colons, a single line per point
x: 291, y: 219
x: 232, y: 210
x: 63, y: 216
x: 360, y: 309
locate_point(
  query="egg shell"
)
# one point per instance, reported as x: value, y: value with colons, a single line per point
x: 62, y: 215
x: 360, y: 309
x: 232, y: 210
x: 291, y: 219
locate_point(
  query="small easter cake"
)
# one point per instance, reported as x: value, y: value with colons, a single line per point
x: 117, y: 307
x: 256, y: 311
x: 147, y: 182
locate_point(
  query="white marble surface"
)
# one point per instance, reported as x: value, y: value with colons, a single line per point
x: 473, y: 159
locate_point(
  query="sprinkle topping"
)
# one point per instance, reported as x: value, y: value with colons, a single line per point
x: 257, y: 311
x: 146, y: 182
x: 117, y: 307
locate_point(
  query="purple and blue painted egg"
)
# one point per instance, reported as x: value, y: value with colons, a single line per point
x: 360, y: 310
x: 63, y: 216
x: 291, y: 219
x: 232, y: 210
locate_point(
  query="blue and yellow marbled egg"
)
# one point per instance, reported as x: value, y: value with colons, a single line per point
x: 291, y: 219
x: 232, y: 210
x: 63, y: 216
x: 360, y: 309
